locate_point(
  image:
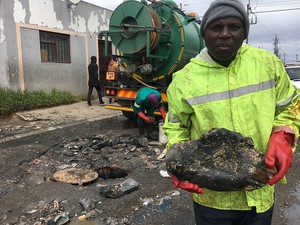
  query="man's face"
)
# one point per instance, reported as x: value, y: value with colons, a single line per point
x: 223, y: 38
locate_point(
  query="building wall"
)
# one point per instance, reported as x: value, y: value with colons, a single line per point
x: 4, y: 80
x: 20, y: 57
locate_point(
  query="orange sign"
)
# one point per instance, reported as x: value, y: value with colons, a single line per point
x: 110, y: 75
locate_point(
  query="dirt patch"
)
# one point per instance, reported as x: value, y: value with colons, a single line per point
x: 25, y: 123
x: 79, y: 111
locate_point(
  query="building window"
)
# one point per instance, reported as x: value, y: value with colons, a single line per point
x: 55, y: 47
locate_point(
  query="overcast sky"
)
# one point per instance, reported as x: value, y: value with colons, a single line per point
x: 268, y: 21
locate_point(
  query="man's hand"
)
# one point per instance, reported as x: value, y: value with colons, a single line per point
x: 187, y: 186
x: 147, y: 119
x: 280, y: 154
x: 162, y: 112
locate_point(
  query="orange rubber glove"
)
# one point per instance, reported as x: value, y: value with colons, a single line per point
x: 162, y: 112
x: 279, y: 154
x: 187, y: 186
x: 146, y: 118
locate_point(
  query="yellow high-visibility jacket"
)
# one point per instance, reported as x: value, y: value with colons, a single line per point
x: 252, y: 96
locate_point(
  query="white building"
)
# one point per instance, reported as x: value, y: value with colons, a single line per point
x: 47, y: 44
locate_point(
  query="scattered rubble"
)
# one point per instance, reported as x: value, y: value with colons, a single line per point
x: 30, y: 196
x: 104, y: 167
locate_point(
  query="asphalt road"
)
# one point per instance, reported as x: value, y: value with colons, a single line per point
x: 31, y: 152
x: 30, y: 146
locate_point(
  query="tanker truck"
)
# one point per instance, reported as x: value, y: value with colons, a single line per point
x: 152, y: 40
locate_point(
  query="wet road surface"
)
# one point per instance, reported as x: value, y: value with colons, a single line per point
x: 156, y: 202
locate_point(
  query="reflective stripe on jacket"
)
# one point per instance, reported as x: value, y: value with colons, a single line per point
x: 251, y: 96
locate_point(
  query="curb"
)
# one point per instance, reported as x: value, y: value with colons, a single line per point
x: 49, y: 129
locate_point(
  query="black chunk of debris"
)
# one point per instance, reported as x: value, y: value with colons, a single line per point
x: 220, y: 160
x: 122, y: 139
x: 120, y: 189
x: 129, y: 186
x: 87, y: 203
x: 143, y: 141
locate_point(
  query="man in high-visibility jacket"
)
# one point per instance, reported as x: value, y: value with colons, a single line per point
x: 146, y: 101
x: 243, y: 89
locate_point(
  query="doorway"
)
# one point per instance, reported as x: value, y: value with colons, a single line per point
x: 103, y: 62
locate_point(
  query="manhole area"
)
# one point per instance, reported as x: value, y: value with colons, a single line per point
x: 113, y: 172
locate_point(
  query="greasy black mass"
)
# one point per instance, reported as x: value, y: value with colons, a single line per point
x: 220, y: 160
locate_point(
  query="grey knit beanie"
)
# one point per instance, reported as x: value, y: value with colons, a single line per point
x: 220, y: 9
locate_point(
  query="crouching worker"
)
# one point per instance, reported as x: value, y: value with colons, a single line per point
x: 147, y: 100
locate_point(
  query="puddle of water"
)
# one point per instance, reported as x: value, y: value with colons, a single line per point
x: 292, y: 213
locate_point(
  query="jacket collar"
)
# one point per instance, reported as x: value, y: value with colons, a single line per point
x: 205, y: 57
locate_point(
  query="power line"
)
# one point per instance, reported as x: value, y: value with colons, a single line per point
x: 277, y: 10
x: 258, y: 4
x: 273, y: 3
x: 261, y: 24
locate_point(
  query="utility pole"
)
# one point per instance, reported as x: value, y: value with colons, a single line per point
x: 181, y: 4
x: 276, y: 48
x: 253, y: 19
x: 248, y: 13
